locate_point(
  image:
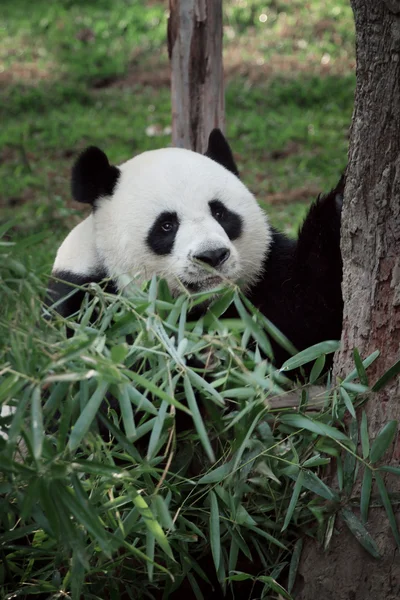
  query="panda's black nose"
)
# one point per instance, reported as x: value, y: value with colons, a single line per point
x: 214, y: 258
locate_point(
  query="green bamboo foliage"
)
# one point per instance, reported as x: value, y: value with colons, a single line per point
x: 146, y: 441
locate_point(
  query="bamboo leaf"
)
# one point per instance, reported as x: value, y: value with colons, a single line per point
x: 14, y: 430
x: 126, y: 411
x: 390, y: 469
x: 57, y: 395
x: 388, y: 507
x: 77, y: 574
x: 316, y: 461
x: 163, y: 513
x: 239, y: 576
x: 330, y: 526
x: 366, y: 363
x: 302, y: 422
x: 360, y: 368
x: 10, y: 386
x: 355, y: 388
x: 340, y: 473
x: 365, y: 494
x: 317, y: 368
x: 217, y: 475
x: 294, y: 563
x: 140, y: 401
x: 157, y: 430
x: 150, y: 547
x: 152, y: 295
x: 347, y: 401
x: 293, y: 500
x: 312, y: 353
x: 197, y: 418
x: 87, y: 416
x: 256, y: 331
x: 218, y: 308
x: 37, y: 423
x: 350, y: 461
x: 383, y: 440
x: 195, y: 587
x: 233, y: 554
x: 151, y: 523
x: 364, y: 435
x: 119, y: 353
x: 386, y: 377
x: 275, y: 586
x: 182, y: 322
x: 268, y: 536
x: 16, y: 534
x: 84, y: 514
x: 215, y: 536
x: 151, y: 387
x: 143, y: 557
x: 30, y: 498
x: 359, y: 532
x: 312, y: 482
x: 202, y: 384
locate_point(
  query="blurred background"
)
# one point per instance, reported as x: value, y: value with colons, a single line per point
x: 80, y: 72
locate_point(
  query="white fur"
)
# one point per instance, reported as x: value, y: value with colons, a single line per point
x: 173, y: 180
x: 78, y: 252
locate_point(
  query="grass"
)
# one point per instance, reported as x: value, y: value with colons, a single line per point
x: 73, y: 74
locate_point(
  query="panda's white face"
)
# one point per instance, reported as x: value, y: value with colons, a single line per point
x: 172, y: 208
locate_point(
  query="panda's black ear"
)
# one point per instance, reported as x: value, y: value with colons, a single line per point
x: 220, y: 151
x: 93, y: 176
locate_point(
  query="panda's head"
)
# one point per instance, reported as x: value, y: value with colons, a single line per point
x: 183, y: 216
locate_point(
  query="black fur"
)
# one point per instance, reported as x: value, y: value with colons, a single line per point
x: 228, y: 219
x: 300, y: 291
x: 93, y: 176
x: 158, y: 239
x: 73, y: 297
x: 219, y: 150
x: 214, y: 258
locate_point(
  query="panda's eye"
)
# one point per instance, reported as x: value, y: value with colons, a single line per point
x: 219, y: 214
x: 218, y: 210
x: 167, y: 226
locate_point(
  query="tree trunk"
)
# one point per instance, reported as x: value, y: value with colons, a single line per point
x: 371, y: 291
x: 197, y: 85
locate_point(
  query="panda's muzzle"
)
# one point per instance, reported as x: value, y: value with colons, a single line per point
x: 213, y: 258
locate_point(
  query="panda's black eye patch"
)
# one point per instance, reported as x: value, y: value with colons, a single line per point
x: 162, y: 233
x: 228, y: 219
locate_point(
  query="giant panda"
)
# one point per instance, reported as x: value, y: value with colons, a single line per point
x: 189, y: 219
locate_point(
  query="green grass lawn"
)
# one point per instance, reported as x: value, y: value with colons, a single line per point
x: 74, y: 73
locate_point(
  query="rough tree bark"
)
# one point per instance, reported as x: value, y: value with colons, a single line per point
x: 197, y: 84
x: 371, y: 290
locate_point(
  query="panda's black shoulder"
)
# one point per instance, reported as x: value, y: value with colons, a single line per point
x: 300, y: 286
x: 64, y: 290
x: 319, y: 237
x: 277, y: 269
